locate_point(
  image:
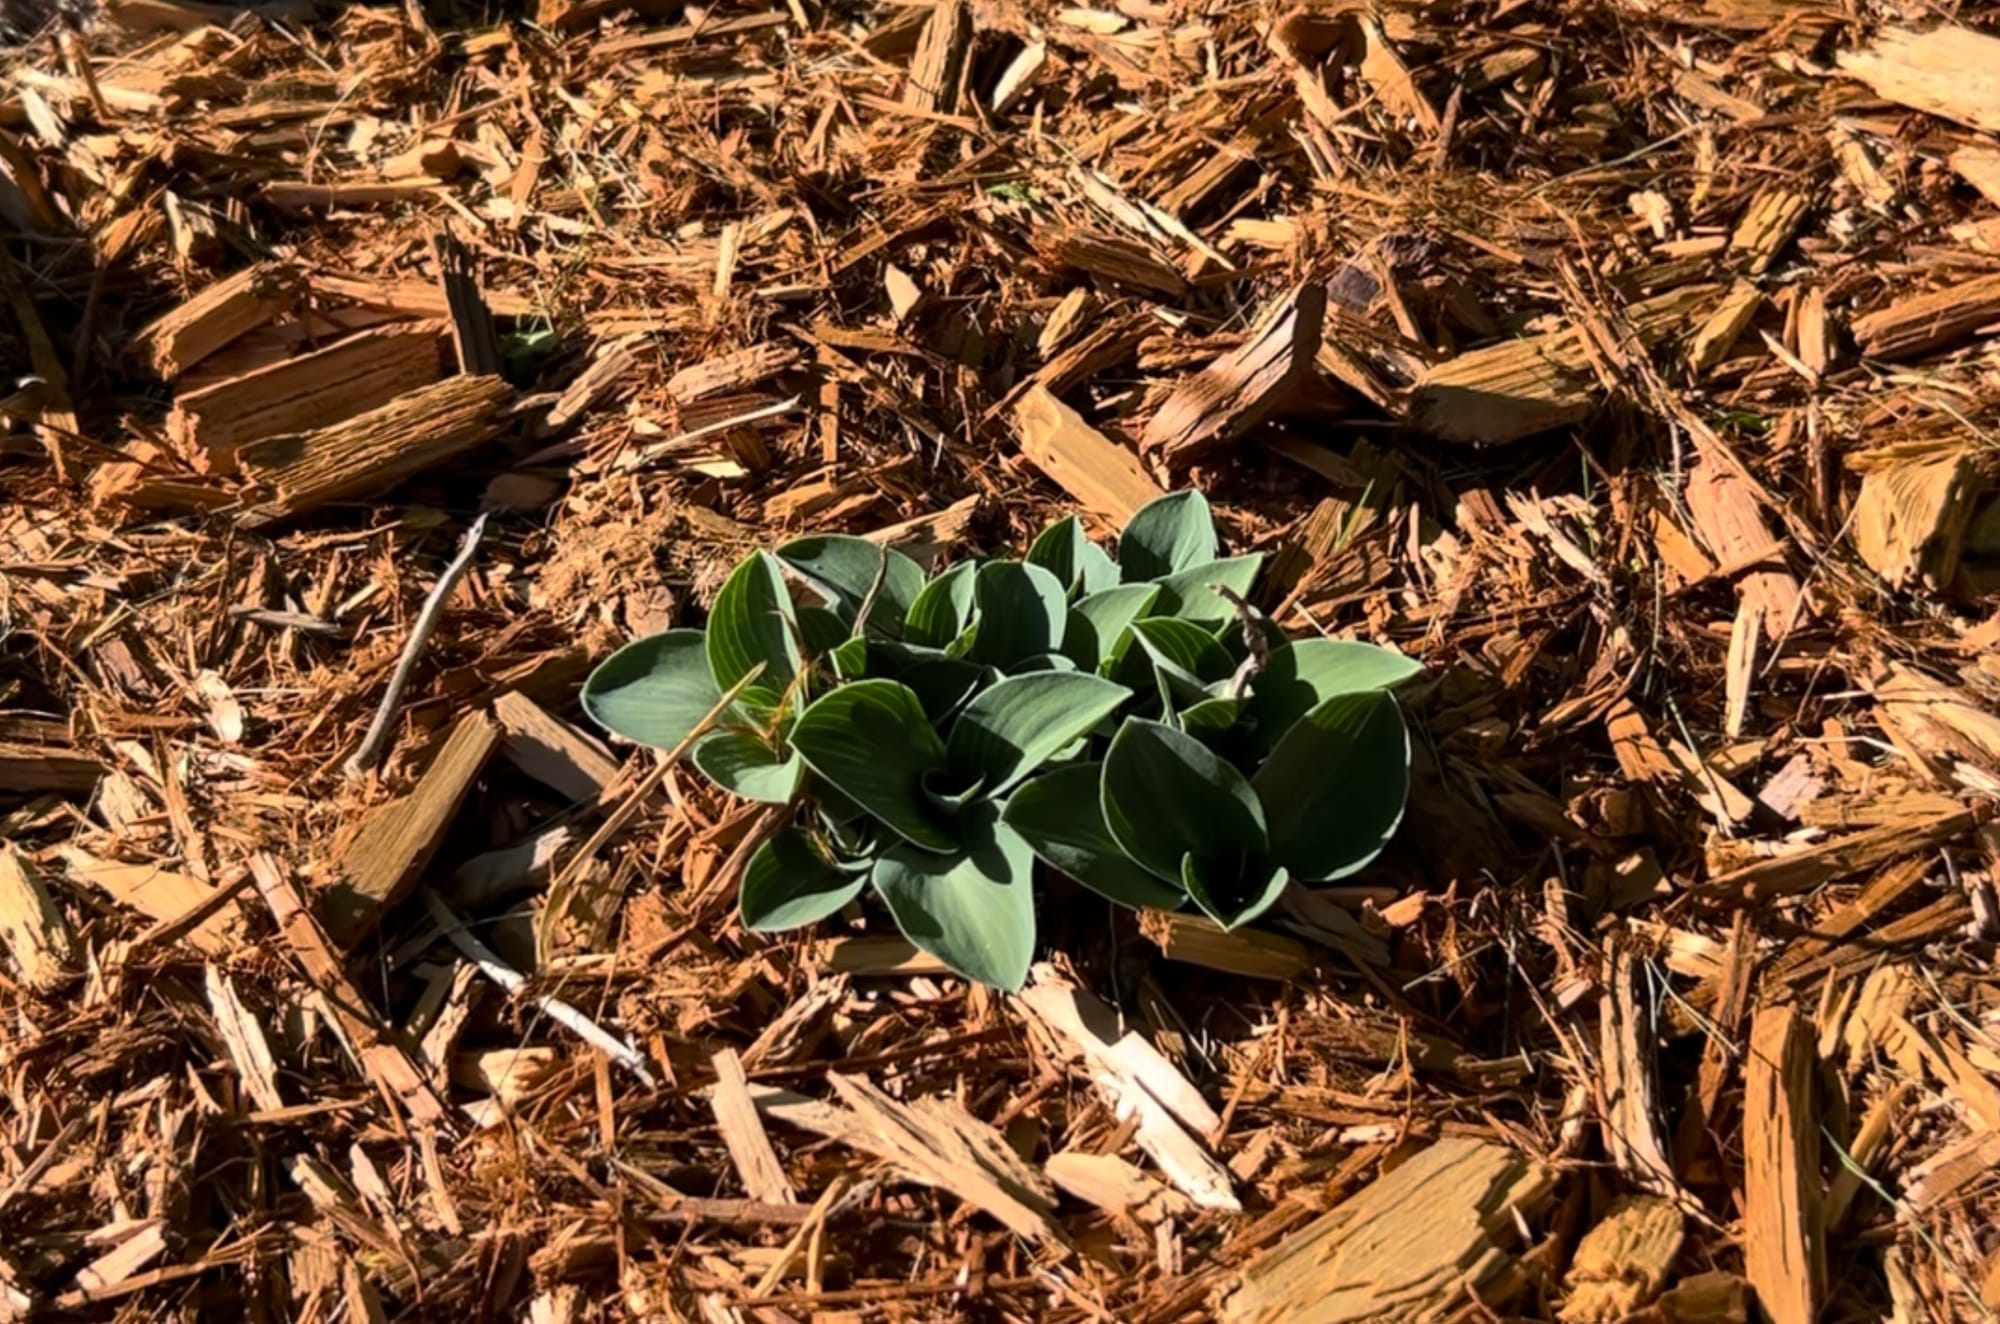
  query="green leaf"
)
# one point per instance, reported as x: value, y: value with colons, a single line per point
x: 853, y: 658
x: 789, y: 884
x: 1211, y: 721
x: 1233, y: 897
x: 1065, y: 551
x: 1165, y: 795
x: 1335, y: 786
x: 653, y: 690
x: 871, y: 741
x: 1301, y: 676
x: 751, y: 621
x: 943, y: 609
x: 973, y: 909
x: 1059, y: 815
x: 1012, y: 728
x: 744, y: 765
x: 1022, y: 610
x: 820, y: 631
x: 942, y: 685
x: 1185, y: 654
x: 844, y: 569
x: 1095, y: 634
x: 1188, y: 595
x: 1043, y: 662
x: 1166, y: 535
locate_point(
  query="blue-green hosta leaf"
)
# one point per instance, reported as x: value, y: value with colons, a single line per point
x: 1165, y: 795
x: 1059, y: 815
x: 1012, y: 728
x: 1065, y: 551
x: 1188, y: 593
x: 1095, y: 636
x: 1166, y: 535
x: 852, y: 659
x: 974, y: 908
x: 940, y: 613
x: 742, y: 764
x: 653, y: 690
x: 1334, y: 788
x: 821, y: 632
x: 1233, y: 897
x: 752, y: 621
x: 789, y: 884
x: 1187, y: 656
x: 942, y: 685
x: 1211, y: 721
x: 1302, y: 675
x: 871, y: 741
x: 1043, y: 662
x: 1022, y: 610
x: 844, y: 569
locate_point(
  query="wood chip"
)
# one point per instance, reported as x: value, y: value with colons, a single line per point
x: 1104, y: 477
x: 393, y: 844
x: 1949, y: 71
x: 1784, y: 1240
x: 1408, y: 1248
x: 35, y: 932
x: 363, y: 372
x: 1910, y: 520
x: 1138, y: 1083
x: 931, y: 1141
x: 372, y: 451
x: 1242, y: 388
x: 757, y: 1165
x: 551, y: 750
x: 1920, y: 323
x: 222, y: 312
x: 160, y: 894
x: 1624, y: 1260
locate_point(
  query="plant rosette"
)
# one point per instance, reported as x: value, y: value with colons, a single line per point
x: 1129, y: 721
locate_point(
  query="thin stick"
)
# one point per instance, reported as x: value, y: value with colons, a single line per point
x: 510, y: 979
x: 372, y: 744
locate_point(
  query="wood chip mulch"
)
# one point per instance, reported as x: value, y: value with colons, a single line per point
x: 1635, y: 365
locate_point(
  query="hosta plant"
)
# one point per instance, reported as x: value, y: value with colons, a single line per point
x: 1130, y: 722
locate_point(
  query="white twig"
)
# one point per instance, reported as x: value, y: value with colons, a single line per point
x: 373, y: 743
x: 510, y: 979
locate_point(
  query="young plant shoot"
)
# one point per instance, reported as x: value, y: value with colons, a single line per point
x: 1129, y: 722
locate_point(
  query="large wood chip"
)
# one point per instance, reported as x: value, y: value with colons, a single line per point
x: 365, y: 371
x: 935, y: 71
x: 1104, y: 477
x: 390, y: 848
x: 1920, y: 323
x: 1784, y: 1239
x: 1950, y: 71
x: 1412, y: 1245
x: 161, y: 895
x: 219, y: 314
x: 1623, y: 1262
x: 372, y: 451
x: 551, y: 750
x: 1243, y: 387
x: 1518, y: 388
x: 1843, y: 857
x: 1632, y: 1112
x: 249, y: 1051
x: 1731, y: 521
x: 33, y: 927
